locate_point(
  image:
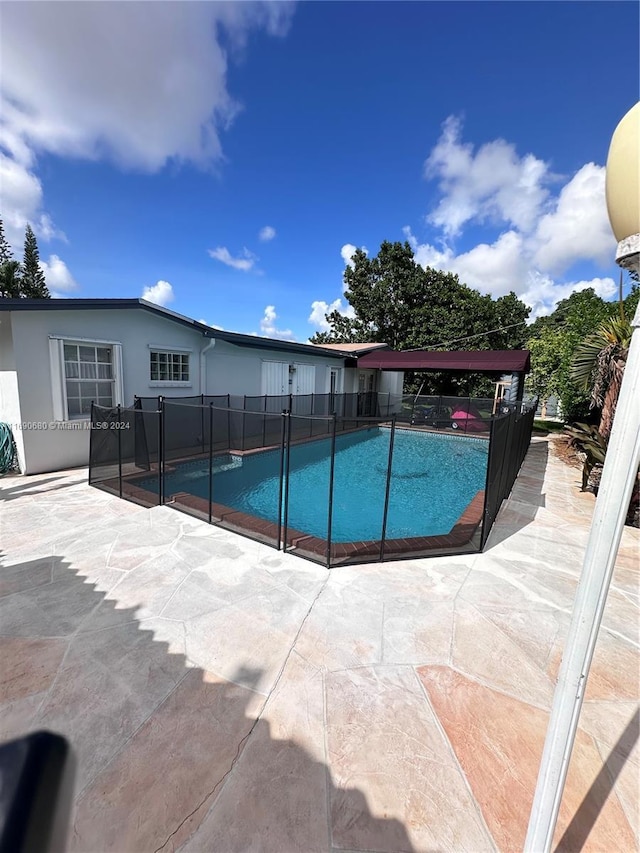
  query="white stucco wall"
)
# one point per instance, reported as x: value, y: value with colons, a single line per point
x: 238, y: 370
x: 390, y: 381
x: 350, y: 380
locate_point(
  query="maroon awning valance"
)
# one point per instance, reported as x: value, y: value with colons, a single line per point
x: 493, y: 361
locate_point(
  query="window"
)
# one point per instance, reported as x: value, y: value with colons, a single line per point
x: 169, y: 366
x: 88, y: 371
x: 84, y: 371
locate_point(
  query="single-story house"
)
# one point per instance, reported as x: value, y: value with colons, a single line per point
x: 59, y: 355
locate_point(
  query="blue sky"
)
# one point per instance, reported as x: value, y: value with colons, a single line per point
x: 226, y: 159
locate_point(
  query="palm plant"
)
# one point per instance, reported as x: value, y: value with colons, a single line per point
x: 586, y: 439
x: 598, y: 367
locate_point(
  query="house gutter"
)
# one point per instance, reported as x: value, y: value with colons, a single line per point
x: 203, y: 364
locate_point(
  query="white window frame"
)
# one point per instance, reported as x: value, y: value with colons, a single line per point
x: 170, y: 350
x: 58, y: 378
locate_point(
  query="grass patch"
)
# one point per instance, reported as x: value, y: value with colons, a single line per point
x: 547, y: 426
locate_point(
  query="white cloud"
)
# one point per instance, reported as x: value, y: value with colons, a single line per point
x: 495, y: 268
x: 507, y: 265
x: 212, y: 325
x: 21, y: 202
x: 245, y: 261
x: 426, y: 254
x: 540, y: 234
x: 348, y: 251
x: 543, y: 293
x: 161, y: 293
x: 319, y: 308
x: 267, y: 233
x: 492, y: 184
x: 268, y: 325
x: 578, y: 228
x: 164, y: 100
x: 59, y: 279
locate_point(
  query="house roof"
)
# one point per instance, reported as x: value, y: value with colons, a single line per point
x: 354, y: 349
x: 236, y: 338
x: 487, y: 361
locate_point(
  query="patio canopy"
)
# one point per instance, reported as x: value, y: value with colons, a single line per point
x: 480, y: 361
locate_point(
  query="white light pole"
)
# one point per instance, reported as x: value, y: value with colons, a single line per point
x: 618, y: 476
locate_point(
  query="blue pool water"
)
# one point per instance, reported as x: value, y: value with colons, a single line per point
x: 434, y: 477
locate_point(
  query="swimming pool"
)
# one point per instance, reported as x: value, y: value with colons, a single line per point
x: 434, y: 478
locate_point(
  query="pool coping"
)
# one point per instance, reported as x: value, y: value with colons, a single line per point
x: 460, y: 534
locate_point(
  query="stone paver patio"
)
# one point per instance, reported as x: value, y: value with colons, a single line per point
x: 222, y: 696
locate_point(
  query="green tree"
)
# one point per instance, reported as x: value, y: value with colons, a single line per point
x: 398, y: 302
x: 10, y: 280
x: 553, y: 341
x: 546, y: 360
x: 5, y: 249
x: 581, y: 313
x: 33, y: 282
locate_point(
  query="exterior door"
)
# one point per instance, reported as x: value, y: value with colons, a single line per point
x: 275, y: 378
x: 304, y: 379
x: 366, y: 395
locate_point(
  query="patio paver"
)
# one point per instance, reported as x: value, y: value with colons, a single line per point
x: 222, y: 696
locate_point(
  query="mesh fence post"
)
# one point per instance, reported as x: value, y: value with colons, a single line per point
x: 244, y: 415
x: 202, y: 421
x: 92, y: 422
x: 507, y: 469
x: 281, y: 482
x: 210, y: 458
x: 160, y: 450
x: 484, y: 533
x: 264, y: 420
x: 119, y: 451
x: 387, y: 487
x: 331, y: 473
x: 286, y: 479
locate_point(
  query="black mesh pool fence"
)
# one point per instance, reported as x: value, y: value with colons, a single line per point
x: 124, y: 444
x: 193, y: 452
x: 509, y: 441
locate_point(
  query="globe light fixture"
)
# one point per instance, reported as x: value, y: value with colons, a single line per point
x: 623, y: 188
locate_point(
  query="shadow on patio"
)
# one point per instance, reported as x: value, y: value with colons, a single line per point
x: 168, y: 755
